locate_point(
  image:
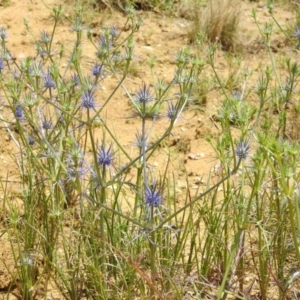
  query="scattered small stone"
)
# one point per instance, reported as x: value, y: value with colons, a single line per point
x: 192, y: 156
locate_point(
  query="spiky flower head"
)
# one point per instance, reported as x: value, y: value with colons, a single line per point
x: 49, y: 82
x: 242, y: 149
x: 88, y: 99
x: 98, y: 69
x: 105, y: 155
x: 140, y: 140
x: 153, y: 195
x: 46, y: 123
x: 45, y: 38
x: 172, y: 111
x: 143, y: 96
x: 35, y: 69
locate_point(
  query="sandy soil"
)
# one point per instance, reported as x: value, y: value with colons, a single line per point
x: 160, y: 36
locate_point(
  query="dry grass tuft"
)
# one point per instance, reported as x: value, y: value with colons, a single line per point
x: 217, y: 21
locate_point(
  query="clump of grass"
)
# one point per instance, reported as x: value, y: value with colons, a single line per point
x: 166, y: 5
x: 217, y: 22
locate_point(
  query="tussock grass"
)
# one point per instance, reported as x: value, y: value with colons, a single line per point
x: 217, y: 21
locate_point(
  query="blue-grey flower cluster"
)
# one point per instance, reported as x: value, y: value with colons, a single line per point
x: 88, y: 99
x: 98, y: 69
x: 242, y: 149
x: 49, y: 82
x: 143, y: 96
x: 105, y: 156
x: 153, y: 196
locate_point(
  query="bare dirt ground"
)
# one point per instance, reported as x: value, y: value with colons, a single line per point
x: 160, y: 36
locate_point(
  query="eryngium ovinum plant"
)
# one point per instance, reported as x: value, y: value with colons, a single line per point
x: 72, y: 229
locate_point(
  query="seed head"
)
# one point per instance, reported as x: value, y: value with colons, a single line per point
x: 144, y: 95
x: 153, y: 196
x: 88, y: 99
x: 242, y: 149
x: 105, y: 156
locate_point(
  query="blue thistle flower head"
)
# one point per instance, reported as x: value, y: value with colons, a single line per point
x: 88, y: 99
x: 143, y: 96
x: 242, y: 149
x: 105, y: 155
x: 49, y: 82
x: 140, y: 140
x: 98, y: 69
x: 153, y: 196
x: 46, y: 123
x: 19, y: 113
x: 172, y: 110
